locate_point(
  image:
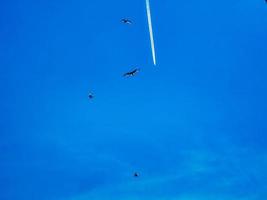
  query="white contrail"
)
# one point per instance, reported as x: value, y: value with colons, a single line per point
x: 150, y: 31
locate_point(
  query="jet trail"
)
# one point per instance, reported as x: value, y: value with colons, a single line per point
x: 150, y: 31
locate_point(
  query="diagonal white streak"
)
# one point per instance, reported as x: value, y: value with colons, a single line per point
x: 150, y: 31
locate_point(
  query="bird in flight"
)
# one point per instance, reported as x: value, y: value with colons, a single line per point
x: 136, y: 175
x: 131, y: 73
x: 90, y: 95
x: 126, y: 21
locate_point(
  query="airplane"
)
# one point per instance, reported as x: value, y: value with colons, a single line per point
x: 132, y: 73
x: 126, y: 21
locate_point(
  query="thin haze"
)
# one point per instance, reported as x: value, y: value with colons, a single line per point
x: 150, y: 31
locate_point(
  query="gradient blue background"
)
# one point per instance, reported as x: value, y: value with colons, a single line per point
x: 194, y: 126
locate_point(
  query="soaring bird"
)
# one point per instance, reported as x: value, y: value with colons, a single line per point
x: 126, y: 21
x: 90, y: 96
x: 136, y: 175
x: 131, y: 73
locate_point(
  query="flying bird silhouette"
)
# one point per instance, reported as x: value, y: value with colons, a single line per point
x: 131, y: 73
x: 136, y: 175
x: 126, y: 21
x: 90, y: 96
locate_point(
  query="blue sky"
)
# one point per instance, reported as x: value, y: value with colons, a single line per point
x: 194, y: 126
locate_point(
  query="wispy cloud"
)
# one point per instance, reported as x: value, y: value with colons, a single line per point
x: 150, y: 31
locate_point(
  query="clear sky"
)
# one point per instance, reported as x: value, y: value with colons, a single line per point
x: 194, y: 126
